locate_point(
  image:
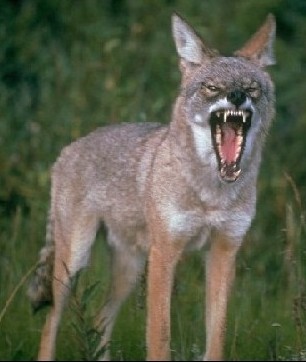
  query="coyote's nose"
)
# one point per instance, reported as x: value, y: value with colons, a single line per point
x: 236, y: 97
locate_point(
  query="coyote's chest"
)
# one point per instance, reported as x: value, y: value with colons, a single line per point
x: 194, y: 221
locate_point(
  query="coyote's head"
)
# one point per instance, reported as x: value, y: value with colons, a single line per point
x: 228, y: 101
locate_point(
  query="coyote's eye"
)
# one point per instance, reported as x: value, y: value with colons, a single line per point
x: 210, y: 88
x: 254, y: 92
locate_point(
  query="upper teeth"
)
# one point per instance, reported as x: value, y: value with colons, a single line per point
x: 230, y: 112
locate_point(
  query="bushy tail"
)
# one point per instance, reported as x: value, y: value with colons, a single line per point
x: 40, y: 287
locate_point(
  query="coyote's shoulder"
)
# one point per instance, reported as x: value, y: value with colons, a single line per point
x: 162, y: 189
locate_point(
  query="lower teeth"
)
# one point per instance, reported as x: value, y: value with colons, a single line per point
x: 229, y: 172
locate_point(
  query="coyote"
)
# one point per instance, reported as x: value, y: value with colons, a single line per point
x: 161, y: 190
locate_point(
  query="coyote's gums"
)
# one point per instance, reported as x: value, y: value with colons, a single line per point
x: 163, y: 189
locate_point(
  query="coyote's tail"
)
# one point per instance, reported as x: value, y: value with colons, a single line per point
x: 40, y: 287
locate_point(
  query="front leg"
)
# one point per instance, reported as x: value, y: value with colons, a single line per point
x: 163, y: 258
x: 220, y: 272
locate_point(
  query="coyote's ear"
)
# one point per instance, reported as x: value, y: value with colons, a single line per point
x: 188, y: 44
x: 259, y: 49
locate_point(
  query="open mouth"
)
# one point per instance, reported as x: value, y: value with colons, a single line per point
x: 229, y: 130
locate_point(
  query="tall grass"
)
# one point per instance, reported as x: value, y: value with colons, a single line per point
x: 68, y: 67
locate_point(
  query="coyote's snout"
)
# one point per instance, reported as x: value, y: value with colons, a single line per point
x: 163, y: 189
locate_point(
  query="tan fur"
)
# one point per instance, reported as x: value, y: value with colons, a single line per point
x: 161, y: 190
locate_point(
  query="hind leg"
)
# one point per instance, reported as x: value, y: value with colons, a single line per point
x: 127, y: 265
x: 61, y: 286
x: 73, y: 241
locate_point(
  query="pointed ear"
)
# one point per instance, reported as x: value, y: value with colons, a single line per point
x: 188, y: 44
x: 259, y: 49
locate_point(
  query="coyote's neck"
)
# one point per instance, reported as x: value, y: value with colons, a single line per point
x: 192, y: 141
x: 190, y: 149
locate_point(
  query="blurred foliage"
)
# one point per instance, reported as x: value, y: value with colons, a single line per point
x: 67, y: 67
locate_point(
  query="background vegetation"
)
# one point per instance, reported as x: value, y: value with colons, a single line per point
x: 67, y: 67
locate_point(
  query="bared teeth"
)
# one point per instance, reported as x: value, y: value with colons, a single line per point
x: 232, y: 176
x: 229, y: 129
x: 237, y: 173
x: 237, y: 152
x: 239, y: 144
x: 231, y: 112
x: 218, y: 135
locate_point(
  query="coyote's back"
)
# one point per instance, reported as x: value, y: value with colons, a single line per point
x: 160, y: 190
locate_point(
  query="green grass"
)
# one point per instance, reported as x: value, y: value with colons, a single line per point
x: 67, y: 67
x: 267, y: 312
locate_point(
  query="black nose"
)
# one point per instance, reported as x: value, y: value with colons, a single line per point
x: 236, y: 97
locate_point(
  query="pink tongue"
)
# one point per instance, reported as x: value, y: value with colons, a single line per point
x: 228, y: 144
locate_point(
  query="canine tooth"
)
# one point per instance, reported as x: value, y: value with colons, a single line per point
x: 218, y: 114
x: 225, y: 116
x: 244, y: 117
x: 237, y: 173
x: 237, y: 152
x: 218, y: 135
